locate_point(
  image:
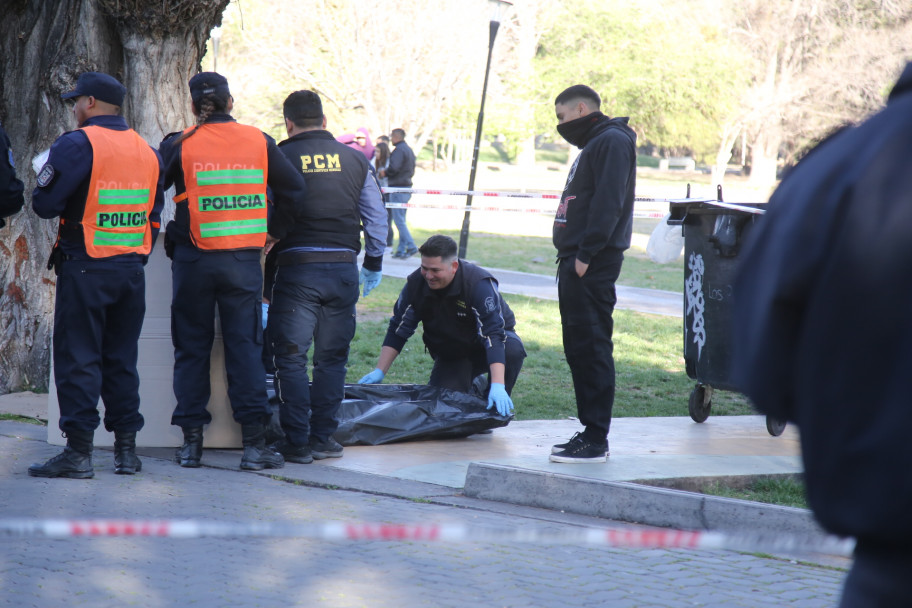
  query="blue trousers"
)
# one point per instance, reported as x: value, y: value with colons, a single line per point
x: 406, y: 243
x: 233, y: 282
x: 312, y: 303
x: 586, y: 306
x: 98, y: 316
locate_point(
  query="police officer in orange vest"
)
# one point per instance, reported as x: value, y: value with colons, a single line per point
x: 221, y: 170
x: 105, y: 184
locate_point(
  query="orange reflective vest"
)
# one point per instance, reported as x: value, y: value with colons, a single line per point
x: 121, y: 193
x: 225, y: 172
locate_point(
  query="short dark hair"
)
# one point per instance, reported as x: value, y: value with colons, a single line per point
x: 439, y: 246
x: 398, y: 133
x: 579, y: 91
x: 304, y: 109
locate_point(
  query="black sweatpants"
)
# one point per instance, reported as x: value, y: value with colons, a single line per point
x: 586, y: 308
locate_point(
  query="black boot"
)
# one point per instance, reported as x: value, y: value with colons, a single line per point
x: 125, y: 460
x: 256, y: 455
x: 75, y: 462
x: 189, y: 454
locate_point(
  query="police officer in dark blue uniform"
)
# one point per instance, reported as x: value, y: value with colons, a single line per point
x: 468, y: 327
x: 215, y: 241
x: 11, y: 199
x: 105, y: 185
x: 316, y: 281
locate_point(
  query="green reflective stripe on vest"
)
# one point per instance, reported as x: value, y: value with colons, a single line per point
x: 212, y: 229
x: 121, y: 239
x: 123, y: 197
x: 229, y: 176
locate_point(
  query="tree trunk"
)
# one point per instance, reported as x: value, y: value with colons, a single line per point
x: 729, y: 134
x: 764, y: 159
x: 153, y: 47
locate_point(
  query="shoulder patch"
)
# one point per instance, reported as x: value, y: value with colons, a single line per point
x: 11, y: 161
x: 490, y: 306
x: 46, y: 175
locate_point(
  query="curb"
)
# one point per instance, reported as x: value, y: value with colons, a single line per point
x: 634, y: 503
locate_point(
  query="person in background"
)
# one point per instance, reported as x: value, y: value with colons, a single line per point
x: 380, y: 162
x: 11, y: 198
x: 104, y: 182
x: 315, y: 287
x: 399, y: 174
x: 592, y: 229
x: 363, y: 143
x: 468, y: 327
x: 821, y: 337
x: 221, y: 170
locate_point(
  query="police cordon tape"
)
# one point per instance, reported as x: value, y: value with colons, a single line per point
x: 620, y: 537
x: 540, y: 195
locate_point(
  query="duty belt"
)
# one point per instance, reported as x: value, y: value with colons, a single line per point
x: 312, y: 257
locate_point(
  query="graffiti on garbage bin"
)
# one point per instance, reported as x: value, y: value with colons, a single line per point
x: 693, y: 288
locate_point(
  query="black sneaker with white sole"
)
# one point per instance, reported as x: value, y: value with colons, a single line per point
x: 583, y: 451
x: 560, y: 447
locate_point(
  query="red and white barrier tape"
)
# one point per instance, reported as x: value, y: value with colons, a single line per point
x: 634, y: 538
x: 539, y: 195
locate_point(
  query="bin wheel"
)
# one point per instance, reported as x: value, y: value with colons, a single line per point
x: 700, y: 402
x: 775, y: 426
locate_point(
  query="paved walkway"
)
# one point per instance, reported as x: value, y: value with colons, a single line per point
x: 271, y: 571
x: 652, y: 301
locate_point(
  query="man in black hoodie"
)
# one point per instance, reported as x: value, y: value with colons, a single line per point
x: 592, y: 229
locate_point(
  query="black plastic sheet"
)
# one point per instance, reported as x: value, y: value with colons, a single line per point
x: 374, y: 414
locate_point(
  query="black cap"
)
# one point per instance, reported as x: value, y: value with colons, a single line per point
x: 100, y: 86
x: 208, y: 83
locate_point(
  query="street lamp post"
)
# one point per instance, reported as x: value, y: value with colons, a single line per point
x: 497, y: 6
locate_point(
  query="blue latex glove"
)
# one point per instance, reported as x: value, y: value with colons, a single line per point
x: 375, y: 377
x: 370, y: 279
x: 498, y: 396
x: 265, y: 314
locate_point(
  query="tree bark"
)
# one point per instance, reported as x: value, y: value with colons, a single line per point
x: 153, y: 47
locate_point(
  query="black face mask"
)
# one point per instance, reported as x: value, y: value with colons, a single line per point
x: 576, y: 131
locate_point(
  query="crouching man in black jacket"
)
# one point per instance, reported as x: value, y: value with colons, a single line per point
x: 468, y: 327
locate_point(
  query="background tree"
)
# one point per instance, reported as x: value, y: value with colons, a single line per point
x: 153, y: 47
x: 666, y: 65
x: 813, y: 65
x: 376, y: 63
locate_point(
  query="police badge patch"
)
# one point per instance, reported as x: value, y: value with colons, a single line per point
x: 46, y: 175
x: 489, y: 304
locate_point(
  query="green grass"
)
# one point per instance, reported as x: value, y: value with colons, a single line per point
x: 551, y: 156
x: 651, y: 379
x: 785, y: 491
x: 17, y: 418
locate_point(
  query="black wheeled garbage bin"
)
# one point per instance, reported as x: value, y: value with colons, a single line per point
x: 713, y: 235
